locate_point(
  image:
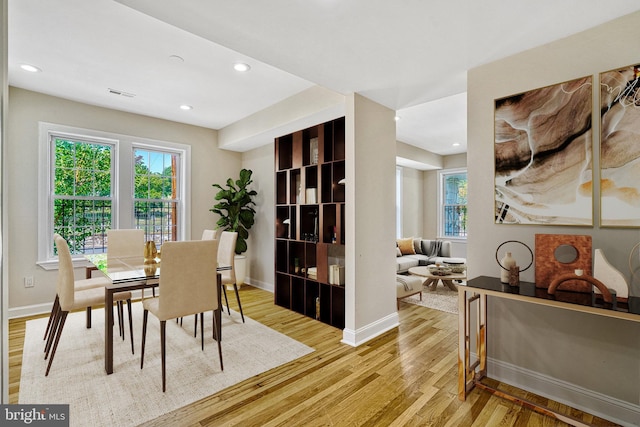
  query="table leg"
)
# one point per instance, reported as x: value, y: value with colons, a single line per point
x: 449, y: 284
x: 108, y: 331
x: 431, y: 284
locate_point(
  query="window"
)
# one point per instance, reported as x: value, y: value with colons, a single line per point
x: 453, y: 215
x: 82, y: 192
x: 156, y: 194
x: 91, y: 181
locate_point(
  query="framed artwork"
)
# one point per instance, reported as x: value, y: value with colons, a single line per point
x: 620, y: 147
x: 543, y: 157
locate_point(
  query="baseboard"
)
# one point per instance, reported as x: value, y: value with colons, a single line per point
x: 603, y: 406
x: 260, y: 285
x: 360, y: 336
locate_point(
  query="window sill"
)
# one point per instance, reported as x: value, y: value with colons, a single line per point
x: 52, y: 264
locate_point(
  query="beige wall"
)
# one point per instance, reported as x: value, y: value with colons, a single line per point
x: 413, y: 195
x: 594, y: 361
x: 26, y: 109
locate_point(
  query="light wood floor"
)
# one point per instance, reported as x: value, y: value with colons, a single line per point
x: 406, y: 377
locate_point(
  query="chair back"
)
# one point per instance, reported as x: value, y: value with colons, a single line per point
x: 188, y: 278
x: 66, y: 279
x: 226, y: 255
x: 209, y: 235
x: 125, y: 243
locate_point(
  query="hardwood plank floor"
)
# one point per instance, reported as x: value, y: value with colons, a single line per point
x: 406, y: 377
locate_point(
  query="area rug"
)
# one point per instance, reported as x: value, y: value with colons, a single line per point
x: 132, y: 395
x: 443, y: 299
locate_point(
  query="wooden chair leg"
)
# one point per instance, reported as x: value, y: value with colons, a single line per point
x: 163, y: 350
x: 52, y: 332
x: 88, y: 317
x: 215, y: 328
x: 54, y: 308
x: 202, y: 330
x: 195, y: 325
x: 235, y: 287
x: 63, y: 318
x: 224, y: 292
x: 130, y: 324
x: 145, y: 315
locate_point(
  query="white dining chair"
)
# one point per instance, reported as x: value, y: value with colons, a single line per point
x: 71, y: 298
x: 185, y: 289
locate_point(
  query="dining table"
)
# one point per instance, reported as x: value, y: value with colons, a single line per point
x: 132, y: 273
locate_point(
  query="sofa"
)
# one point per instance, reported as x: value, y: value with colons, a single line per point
x: 415, y: 251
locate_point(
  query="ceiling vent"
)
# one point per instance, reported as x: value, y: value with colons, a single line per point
x: 121, y: 93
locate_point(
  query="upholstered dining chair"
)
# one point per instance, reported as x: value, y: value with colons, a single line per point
x: 71, y: 299
x: 187, y: 286
x: 125, y: 243
x: 226, y: 256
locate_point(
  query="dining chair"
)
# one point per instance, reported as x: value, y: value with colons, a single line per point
x: 125, y: 243
x: 185, y: 289
x: 226, y: 256
x: 70, y: 298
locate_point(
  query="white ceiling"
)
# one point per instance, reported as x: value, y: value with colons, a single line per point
x: 411, y: 56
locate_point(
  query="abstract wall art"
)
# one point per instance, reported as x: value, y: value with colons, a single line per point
x: 543, y: 155
x: 620, y: 147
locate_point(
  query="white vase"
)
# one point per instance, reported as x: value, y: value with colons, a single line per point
x: 240, y: 265
x: 507, y: 262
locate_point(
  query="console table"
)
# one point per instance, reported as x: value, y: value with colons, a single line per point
x: 476, y: 290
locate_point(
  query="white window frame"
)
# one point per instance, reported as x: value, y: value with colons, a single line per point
x: 441, y: 177
x: 122, y: 181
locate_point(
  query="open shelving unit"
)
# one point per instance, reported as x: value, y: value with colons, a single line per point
x: 309, y: 216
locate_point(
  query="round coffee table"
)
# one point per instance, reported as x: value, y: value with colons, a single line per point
x: 432, y: 279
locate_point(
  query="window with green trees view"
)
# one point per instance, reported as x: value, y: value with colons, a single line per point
x: 156, y: 194
x: 82, y: 193
x: 454, y: 204
x: 92, y: 181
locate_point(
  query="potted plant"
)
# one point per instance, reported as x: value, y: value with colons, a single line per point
x: 236, y: 209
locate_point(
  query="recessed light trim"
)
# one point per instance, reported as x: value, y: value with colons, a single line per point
x: 186, y: 107
x: 456, y: 144
x: 30, y: 68
x: 396, y: 118
x: 241, y: 67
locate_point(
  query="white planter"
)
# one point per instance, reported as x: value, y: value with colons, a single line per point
x: 240, y: 265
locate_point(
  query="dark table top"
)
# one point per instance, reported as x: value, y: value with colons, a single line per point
x: 528, y: 289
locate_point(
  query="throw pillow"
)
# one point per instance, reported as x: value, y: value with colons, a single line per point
x: 417, y: 245
x: 398, y: 253
x: 406, y: 246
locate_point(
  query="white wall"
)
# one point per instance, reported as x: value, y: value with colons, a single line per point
x: 413, y: 195
x: 209, y: 164
x: 588, y: 361
x: 260, y: 254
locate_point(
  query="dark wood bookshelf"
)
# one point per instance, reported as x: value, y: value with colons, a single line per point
x: 309, y: 216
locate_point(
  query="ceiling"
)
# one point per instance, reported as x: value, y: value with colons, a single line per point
x: 411, y: 56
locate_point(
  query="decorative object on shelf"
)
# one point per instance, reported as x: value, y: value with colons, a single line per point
x: 296, y: 265
x: 510, y: 271
x: 618, y: 141
x: 287, y: 222
x: 150, y: 252
x: 334, y: 236
x: 609, y: 275
x: 592, y: 281
x: 336, y: 274
x: 542, y: 153
x: 342, y: 182
x: 313, y: 151
x: 312, y: 194
x: 317, y: 308
x: 558, y: 254
x: 236, y: 208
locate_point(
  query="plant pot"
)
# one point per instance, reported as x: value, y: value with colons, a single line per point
x: 240, y: 265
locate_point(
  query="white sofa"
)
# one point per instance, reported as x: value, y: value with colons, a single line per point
x: 426, y: 252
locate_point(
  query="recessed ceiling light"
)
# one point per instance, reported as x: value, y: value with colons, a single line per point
x: 456, y: 144
x: 396, y: 118
x: 241, y: 67
x: 30, y: 68
x: 186, y: 107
